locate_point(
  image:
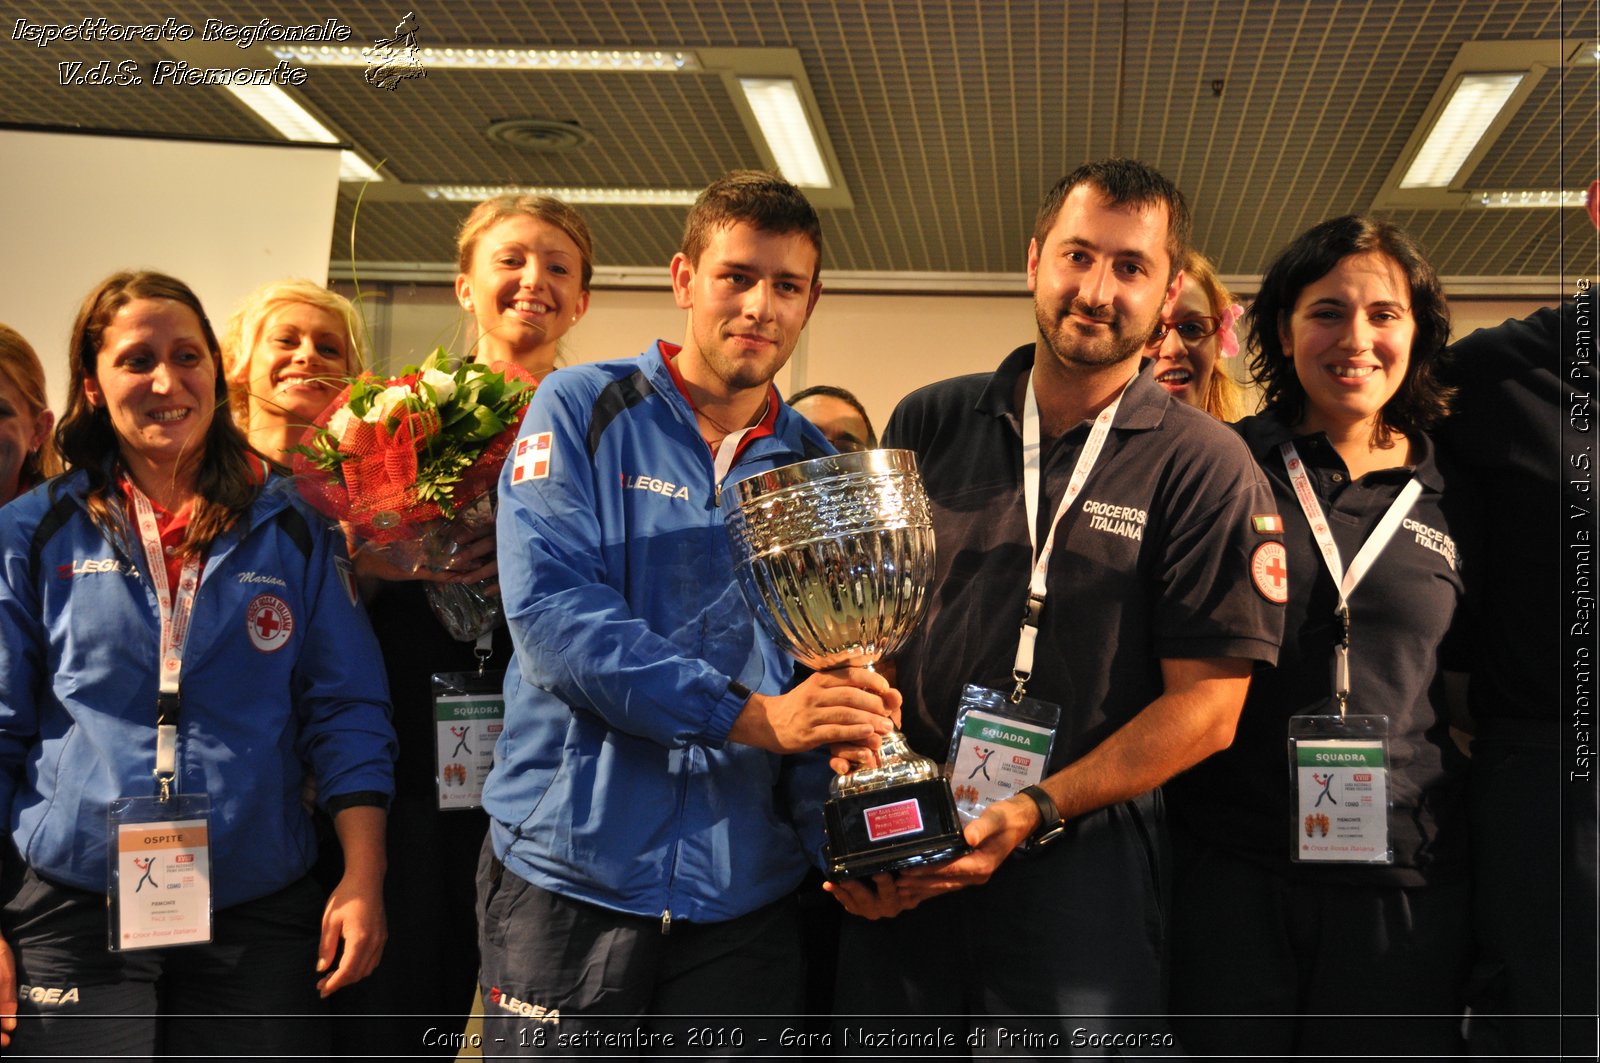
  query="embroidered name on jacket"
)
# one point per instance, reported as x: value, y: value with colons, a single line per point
x: 642, y: 482
x: 1433, y: 539
x: 257, y: 577
x: 1125, y: 521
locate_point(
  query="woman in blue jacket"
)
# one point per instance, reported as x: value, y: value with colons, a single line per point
x: 180, y: 643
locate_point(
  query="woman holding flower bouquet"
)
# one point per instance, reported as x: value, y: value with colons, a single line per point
x: 525, y: 266
x: 180, y: 643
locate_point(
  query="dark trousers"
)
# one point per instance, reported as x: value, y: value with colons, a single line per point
x: 251, y: 989
x: 1534, y: 872
x: 624, y: 989
x: 1264, y: 965
x: 425, y: 984
x: 1057, y: 954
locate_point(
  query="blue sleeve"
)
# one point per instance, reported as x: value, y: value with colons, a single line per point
x: 802, y: 790
x: 21, y: 659
x: 574, y: 632
x: 340, y: 690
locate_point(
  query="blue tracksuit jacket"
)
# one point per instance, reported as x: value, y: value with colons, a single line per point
x: 613, y: 783
x: 79, y: 634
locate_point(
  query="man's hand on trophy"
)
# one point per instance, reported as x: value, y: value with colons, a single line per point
x: 844, y: 707
x: 846, y: 757
x: 1003, y: 826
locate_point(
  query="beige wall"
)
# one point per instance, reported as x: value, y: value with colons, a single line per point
x: 878, y: 346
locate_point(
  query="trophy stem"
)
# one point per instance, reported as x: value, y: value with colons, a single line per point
x: 897, y: 764
x: 893, y: 748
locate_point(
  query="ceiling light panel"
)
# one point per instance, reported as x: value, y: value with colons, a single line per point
x: 279, y: 110
x: 783, y: 122
x: 620, y: 60
x: 629, y: 197
x: 1470, y: 111
x: 1535, y: 198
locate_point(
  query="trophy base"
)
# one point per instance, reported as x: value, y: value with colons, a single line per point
x: 906, y: 825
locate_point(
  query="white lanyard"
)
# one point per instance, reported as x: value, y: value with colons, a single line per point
x: 728, y: 449
x: 1032, y: 450
x: 176, y: 608
x: 1345, y: 580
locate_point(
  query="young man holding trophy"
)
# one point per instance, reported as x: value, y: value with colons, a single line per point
x: 650, y: 818
x: 1137, y: 542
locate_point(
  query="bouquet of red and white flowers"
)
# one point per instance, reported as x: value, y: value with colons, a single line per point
x: 409, y: 465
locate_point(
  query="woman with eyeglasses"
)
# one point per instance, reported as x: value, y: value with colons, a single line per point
x: 1321, y: 876
x: 1188, y: 342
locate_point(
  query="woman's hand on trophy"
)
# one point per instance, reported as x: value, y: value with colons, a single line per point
x: 878, y: 897
x: 840, y: 707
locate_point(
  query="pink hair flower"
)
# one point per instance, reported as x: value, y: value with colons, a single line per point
x: 1229, y: 340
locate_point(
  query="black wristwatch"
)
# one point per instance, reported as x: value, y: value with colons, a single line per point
x: 1051, y: 825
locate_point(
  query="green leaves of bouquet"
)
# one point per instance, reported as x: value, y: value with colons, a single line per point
x: 447, y: 415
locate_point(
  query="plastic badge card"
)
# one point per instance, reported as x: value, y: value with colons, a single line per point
x: 160, y: 872
x: 469, y: 711
x: 1341, y: 773
x: 998, y: 747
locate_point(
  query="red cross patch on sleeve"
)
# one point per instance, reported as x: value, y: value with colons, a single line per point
x: 531, y: 460
x: 1269, y: 571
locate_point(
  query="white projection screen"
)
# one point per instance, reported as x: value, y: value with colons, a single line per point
x: 223, y: 217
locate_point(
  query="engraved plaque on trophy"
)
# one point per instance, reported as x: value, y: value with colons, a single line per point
x: 836, y: 557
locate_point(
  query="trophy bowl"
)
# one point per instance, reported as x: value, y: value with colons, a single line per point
x: 836, y: 558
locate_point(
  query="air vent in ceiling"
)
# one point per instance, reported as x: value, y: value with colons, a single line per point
x: 539, y: 136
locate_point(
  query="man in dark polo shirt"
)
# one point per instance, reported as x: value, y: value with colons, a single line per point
x: 1523, y: 427
x: 1162, y: 589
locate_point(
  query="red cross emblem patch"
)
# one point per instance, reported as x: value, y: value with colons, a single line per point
x: 1269, y: 571
x: 268, y: 622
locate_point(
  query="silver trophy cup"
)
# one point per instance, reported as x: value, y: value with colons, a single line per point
x: 836, y: 558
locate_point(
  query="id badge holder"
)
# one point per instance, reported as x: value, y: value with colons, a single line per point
x: 159, y: 872
x: 1340, y: 770
x: 998, y: 747
x: 469, y: 710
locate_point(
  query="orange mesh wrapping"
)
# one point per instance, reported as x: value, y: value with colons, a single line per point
x: 374, y: 490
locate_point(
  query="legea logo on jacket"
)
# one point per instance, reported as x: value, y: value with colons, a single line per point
x: 644, y: 482
x: 90, y: 566
x: 48, y: 996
